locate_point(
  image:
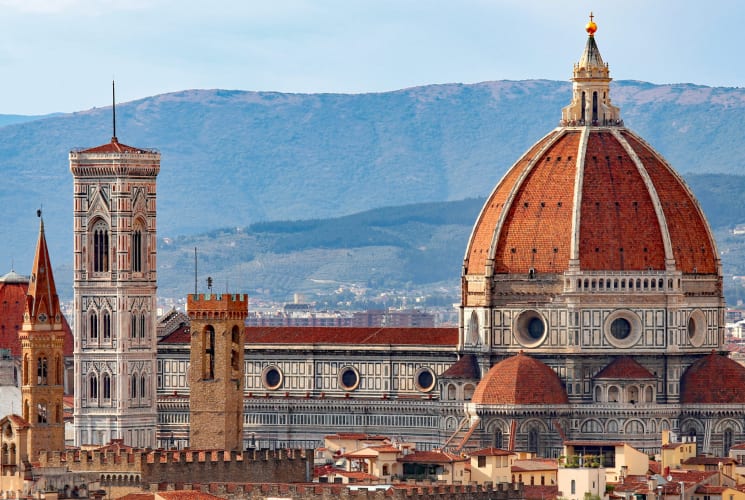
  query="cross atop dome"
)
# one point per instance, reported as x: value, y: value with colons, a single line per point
x: 591, y: 88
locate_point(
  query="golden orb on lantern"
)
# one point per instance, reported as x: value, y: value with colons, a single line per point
x: 591, y: 27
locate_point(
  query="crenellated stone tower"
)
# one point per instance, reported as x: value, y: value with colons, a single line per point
x: 42, y: 337
x: 216, y: 370
x: 114, y: 293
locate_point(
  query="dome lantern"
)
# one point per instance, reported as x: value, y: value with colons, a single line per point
x: 591, y: 79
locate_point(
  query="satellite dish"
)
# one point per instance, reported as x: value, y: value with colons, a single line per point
x: 669, y: 478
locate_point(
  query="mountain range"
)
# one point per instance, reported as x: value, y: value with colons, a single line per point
x: 231, y: 159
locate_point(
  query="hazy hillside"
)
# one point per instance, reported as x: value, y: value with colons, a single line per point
x: 233, y: 158
x: 414, y: 247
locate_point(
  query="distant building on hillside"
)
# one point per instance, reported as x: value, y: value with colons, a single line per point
x: 304, y: 315
x: 398, y: 319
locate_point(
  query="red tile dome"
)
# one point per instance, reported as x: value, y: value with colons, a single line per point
x: 713, y: 379
x: 520, y: 380
x: 591, y: 196
x: 598, y: 196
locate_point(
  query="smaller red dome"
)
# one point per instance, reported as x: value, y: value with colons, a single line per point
x: 714, y: 379
x: 520, y: 380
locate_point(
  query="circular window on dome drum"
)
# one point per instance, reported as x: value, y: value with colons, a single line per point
x: 623, y: 328
x: 530, y: 328
x: 424, y: 379
x: 272, y: 378
x: 349, y: 378
x: 697, y: 328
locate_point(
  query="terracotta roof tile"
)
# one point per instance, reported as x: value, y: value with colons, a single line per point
x: 19, y: 421
x: 619, y: 228
x: 331, y: 335
x: 431, y: 457
x: 467, y: 367
x: 624, y: 368
x: 540, y: 492
x: 12, y: 307
x: 186, y: 495
x: 483, y: 231
x: 693, y: 243
x: 520, y: 379
x: 713, y: 379
x: 710, y: 461
x: 544, y: 200
x: 181, y: 335
x: 344, y: 335
x: 490, y: 452
x: 114, y: 147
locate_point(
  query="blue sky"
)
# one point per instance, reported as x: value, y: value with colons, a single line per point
x: 60, y: 55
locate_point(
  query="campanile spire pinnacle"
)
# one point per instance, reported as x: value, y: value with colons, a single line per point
x: 42, y: 302
x: 591, y: 79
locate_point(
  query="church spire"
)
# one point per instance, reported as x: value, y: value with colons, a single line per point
x: 42, y: 302
x: 591, y: 79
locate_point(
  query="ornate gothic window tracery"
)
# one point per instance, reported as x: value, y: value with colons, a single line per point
x: 100, y: 247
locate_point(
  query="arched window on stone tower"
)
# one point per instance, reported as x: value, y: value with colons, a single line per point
x: 208, y: 358
x: 92, y: 325
x: 133, y: 326
x: 106, y: 382
x: 136, y: 249
x: 41, y: 412
x: 42, y: 370
x: 595, y: 107
x: 93, y: 386
x: 106, y: 325
x: 100, y: 246
x: 235, y: 337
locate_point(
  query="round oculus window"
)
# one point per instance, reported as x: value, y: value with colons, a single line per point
x: 425, y: 380
x: 349, y: 378
x: 622, y: 328
x: 697, y: 328
x: 530, y: 328
x: 272, y: 378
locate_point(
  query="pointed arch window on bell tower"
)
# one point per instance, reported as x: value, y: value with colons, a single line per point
x: 41, y: 370
x: 137, y: 250
x: 100, y: 247
x: 106, y: 325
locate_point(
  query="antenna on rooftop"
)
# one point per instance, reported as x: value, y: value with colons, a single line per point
x: 195, y: 271
x: 113, y: 109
